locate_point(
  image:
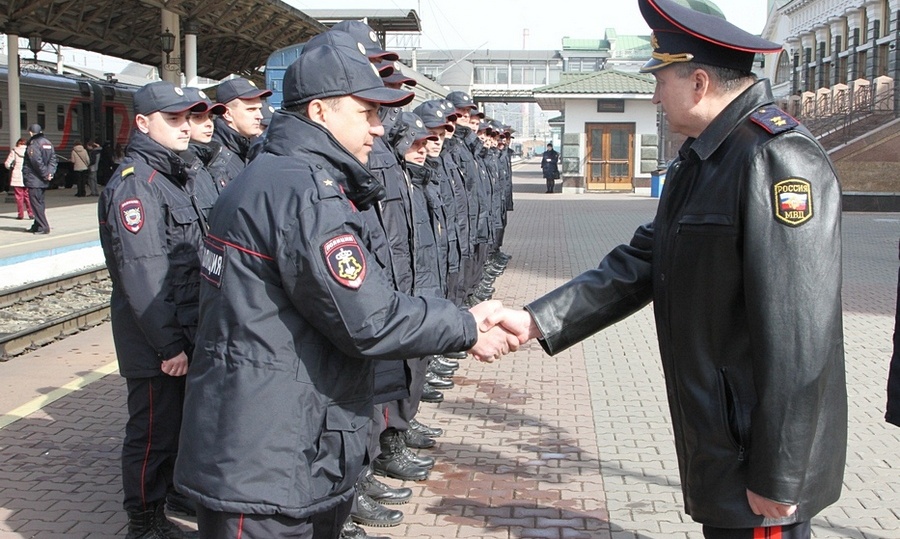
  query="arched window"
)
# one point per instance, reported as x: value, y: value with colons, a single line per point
x: 783, y: 71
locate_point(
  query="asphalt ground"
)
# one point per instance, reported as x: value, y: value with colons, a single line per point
x: 574, y: 446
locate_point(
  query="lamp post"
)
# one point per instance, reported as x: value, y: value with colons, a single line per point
x: 35, y: 44
x: 167, y: 42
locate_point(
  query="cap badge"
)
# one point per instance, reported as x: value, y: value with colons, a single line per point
x: 373, y: 37
x: 202, y: 95
x: 345, y: 260
x: 439, y: 114
x: 793, y: 201
x: 361, y: 47
x: 179, y: 91
x: 419, y: 123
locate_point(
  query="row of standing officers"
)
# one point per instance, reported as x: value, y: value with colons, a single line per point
x: 279, y: 267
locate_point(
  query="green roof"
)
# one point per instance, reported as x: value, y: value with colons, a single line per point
x: 570, y: 43
x: 633, y: 47
x: 607, y: 81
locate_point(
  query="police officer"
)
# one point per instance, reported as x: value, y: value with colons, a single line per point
x: 743, y: 265
x: 38, y: 169
x: 212, y: 154
x: 152, y: 221
x: 295, y: 305
x: 550, y: 166
x: 241, y: 122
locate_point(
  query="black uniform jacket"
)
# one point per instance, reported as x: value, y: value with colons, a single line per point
x: 152, y: 217
x: 892, y: 414
x: 40, y: 162
x: 215, y: 158
x: 294, y: 306
x: 237, y: 144
x: 743, y: 264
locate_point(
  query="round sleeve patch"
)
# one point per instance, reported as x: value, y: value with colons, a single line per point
x: 793, y: 201
x: 345, y: 260
x: 132, y: 213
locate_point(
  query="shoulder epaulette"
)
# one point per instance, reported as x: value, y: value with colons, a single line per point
x: 127, y: 172
x: 327, y: 185
x: 773, y: 119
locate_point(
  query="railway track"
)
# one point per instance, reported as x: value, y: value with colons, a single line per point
x: 39, y: 313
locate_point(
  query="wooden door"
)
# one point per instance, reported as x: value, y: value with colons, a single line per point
x: 610, y: 156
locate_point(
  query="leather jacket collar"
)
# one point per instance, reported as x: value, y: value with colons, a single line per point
x: 757, y: 95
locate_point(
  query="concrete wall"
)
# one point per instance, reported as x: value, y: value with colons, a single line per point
x: 870, y: 164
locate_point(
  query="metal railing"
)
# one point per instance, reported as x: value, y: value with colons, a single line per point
x: 838, y: 117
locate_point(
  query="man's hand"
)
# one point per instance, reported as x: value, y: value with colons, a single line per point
x: 493, y: 342
x: 175, y: 366
x: 768, y: 508
x: 516, y: 322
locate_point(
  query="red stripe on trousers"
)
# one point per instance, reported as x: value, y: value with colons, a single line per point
x: 240, y: 530
x: 147, y: 452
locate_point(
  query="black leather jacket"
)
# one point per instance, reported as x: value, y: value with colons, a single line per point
x: 743, y: 265
x: 294, y: 306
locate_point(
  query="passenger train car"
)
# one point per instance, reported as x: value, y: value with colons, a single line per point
x: 70, y: 109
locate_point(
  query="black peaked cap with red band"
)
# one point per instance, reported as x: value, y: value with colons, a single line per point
x: 681, y: 34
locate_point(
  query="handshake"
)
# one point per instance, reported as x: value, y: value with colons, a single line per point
x: 500, y: 330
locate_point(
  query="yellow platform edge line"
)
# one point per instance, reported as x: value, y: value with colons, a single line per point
x: 36, y: 404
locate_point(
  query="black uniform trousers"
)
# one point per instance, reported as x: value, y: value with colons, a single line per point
x: 221, y: 525
x: 36, y: 197
x: 800, y: 530
x: 151, y: 439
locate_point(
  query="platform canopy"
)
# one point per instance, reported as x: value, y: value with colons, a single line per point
x: 233, y: 36
x: 381, y: 20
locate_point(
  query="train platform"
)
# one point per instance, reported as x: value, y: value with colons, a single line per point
x: 574, y: 446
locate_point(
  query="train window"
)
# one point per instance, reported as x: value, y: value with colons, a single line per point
x: 60, y: 118
x: 41, y: 115
x: 23, y: 115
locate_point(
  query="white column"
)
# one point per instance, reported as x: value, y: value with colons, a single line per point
x: 15, y: 127
x: 190, y: 53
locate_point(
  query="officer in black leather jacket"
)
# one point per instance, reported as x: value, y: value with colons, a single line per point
x: 743, y: 265
x: 152, y: 217
x: 295, y: 305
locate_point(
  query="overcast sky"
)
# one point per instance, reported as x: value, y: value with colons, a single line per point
x: 501, y: 24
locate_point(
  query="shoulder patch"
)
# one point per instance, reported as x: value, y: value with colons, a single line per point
x: 345, y: 260
x: 793, y: 200
x: 132, y: 214
x: 773, y: 119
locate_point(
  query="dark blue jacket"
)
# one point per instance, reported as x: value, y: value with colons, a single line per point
x: 39, y: 165
x: 295, y: 305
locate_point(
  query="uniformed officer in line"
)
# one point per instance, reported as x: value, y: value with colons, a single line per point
x: 241, y: 122
x: 743, y: 265
x: 295, y: 306
x: 212, y: 154
x: 152, y: 221
x: 38, y: 169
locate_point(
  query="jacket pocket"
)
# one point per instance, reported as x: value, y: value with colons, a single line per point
x: 712, y: 224
x: 732, y: 414
x: 341, y: 448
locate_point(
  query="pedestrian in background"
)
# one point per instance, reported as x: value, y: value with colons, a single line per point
x: 892, y: 415
x: 38, y: 169
x: 81, y: 162
x: 14, y: 164
x: 94, y: 154
x: 550, y: 167
x: 743, y: 265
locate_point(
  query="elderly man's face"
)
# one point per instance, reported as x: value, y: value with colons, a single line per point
x: 678, y: 98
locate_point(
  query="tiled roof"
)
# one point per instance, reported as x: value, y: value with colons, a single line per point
x: 607, y: 81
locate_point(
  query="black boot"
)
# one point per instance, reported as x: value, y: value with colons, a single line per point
x: 394, y: 460
x: 437, y: 382
x: 456, y: 355
x: 169, y: 529
x: 142, y: 525
x: 431, y: 432
x: 416, y: 439
x: 382, y: 493
x: 440, y: 370
x: 368, y: 512
x: 431, y: 394
x: 450, y: 360
x: 352, y: 531
x: 418, y: 460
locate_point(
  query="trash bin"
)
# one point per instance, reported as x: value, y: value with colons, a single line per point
x: 657, y: 182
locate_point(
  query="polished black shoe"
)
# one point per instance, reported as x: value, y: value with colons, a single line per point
x: 437, y: 382
x: 446, y: 363
x: 368, y: 512
x: 180, y: 505
x: 417, y: 440
x: 432, y: 432
x: 395, y: 459
x: 382, y: 493
x: 420, y: 461
x: 430, y: 394
x: 40, y: 232
x: 472, y: 301
x: 33, y: 229
x: 456, y: 355
x: 352, y: 531
x: 440, y: 370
